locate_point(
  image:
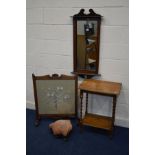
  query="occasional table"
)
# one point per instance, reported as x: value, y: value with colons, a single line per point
x: 106, y: 88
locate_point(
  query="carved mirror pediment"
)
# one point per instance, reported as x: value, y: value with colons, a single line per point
x: 86, y: 42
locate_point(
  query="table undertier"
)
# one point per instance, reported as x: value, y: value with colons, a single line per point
x: 98, y: 121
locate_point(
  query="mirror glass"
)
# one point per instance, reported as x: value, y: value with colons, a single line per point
x: 86, y: 44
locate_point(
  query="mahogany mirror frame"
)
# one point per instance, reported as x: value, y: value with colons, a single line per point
x: 80, y: 17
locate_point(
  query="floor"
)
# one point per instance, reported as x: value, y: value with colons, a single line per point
x: 92, y: 141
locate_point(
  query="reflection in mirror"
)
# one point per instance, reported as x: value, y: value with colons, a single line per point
x: 86, y: 44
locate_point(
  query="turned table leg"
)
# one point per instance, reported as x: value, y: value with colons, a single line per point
x: 81, y: 98
x: 113, y: 115
x: 86, y: 103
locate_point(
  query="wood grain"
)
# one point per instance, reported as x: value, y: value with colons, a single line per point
x: 106, y: 87
x: 98, y: 121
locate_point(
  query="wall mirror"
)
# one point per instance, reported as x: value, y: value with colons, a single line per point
x: 86, y: 42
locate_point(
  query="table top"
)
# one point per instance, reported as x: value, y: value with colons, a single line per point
x: 100, y: 86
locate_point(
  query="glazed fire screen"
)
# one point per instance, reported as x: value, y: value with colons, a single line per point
x: 55, y: 95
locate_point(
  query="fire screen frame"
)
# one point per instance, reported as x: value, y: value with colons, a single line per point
x: 55, y: 96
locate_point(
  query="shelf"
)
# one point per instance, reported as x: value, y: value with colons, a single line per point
x: 84, y: 73
x: 98, y: 121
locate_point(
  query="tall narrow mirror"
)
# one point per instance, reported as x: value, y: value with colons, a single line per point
x: 86, y: 33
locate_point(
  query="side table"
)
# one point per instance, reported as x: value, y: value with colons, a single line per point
x: 106, y: 88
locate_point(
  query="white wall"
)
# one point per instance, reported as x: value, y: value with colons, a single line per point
x: 50, y: 46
